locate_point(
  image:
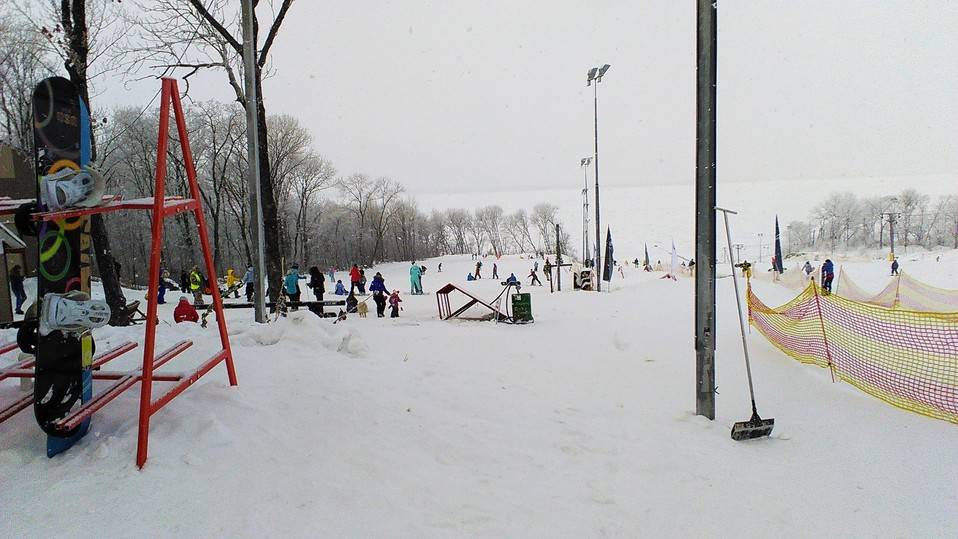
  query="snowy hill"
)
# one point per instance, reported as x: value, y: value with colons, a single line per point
x: 579, y: 425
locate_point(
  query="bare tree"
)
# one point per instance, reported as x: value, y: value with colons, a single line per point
x: 193, y: 35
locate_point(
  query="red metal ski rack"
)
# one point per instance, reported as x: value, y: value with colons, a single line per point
x: 161, y: 207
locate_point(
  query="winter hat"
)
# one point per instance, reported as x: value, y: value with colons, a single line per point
x: 183, y: 298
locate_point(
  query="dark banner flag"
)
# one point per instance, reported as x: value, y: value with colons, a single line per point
x: 607, y: 267
x: 778, y: 249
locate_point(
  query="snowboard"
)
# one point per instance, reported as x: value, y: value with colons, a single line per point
x: 63, y: 375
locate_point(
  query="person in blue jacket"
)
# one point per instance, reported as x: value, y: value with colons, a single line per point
x: 291, y: 284
x: 415, y: 278
x: 470, y: 277
x: 828, y: 275
x: 340, y: 289
x: 512, y: 278
x: 379, y: 291
x: 248, y: 279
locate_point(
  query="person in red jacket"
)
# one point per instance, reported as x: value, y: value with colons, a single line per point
x: 185, y: 312
x: 354, y: 277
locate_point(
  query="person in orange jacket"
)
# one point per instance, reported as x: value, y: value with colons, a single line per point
x: 185, y: 312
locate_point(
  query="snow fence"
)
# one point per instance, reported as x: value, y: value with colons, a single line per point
x: 902, y: 291
x: 908, y: 358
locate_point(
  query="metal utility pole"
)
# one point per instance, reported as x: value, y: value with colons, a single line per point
x: 584, y: 163
x: 558, y: 261
x: 596, y: 74
x: 705, y: 153
x: 891, y: 216
x: 738, y: 252
x: 252, y: 149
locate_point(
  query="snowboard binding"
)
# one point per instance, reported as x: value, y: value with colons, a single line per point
x: 69, y: 188
x: 73, y: 312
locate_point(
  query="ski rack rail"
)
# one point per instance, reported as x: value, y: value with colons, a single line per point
x: 161, y: 206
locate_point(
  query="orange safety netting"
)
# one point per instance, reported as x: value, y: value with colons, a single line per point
x: 906, y: 358
x: 902, y: 291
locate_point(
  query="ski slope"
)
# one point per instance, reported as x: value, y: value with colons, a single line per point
x: 579, y: 425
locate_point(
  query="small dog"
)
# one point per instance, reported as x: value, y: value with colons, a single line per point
x: 362, y: 309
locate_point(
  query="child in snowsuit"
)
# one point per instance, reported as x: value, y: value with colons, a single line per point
x: 185, y: 312
x: 291, y: 284
x: 894, y: 267
x: 340, y: 289
x: 231, y: 281
x: 394, y: 302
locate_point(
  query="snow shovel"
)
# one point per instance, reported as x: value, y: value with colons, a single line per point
x: 756, y: 427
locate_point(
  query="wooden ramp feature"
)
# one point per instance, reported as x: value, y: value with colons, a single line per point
x: 447, y: 313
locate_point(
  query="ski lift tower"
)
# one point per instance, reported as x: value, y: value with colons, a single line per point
x: 584, y: 163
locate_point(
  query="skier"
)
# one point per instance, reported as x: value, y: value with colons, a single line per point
x: 415, y: 279
x: 808, y: 269
x: 534, y: 278
x: 353, y: 277
x: 362, y: 281
x: 378, y: 288
x: 317, y: 283
x: 231, y: 281
x: 394, y: 302
x: 248, y: 279
x: 340, y: 289
x: 185, y: 312
x: 291, y: 284
x: 894, y: 267
x: 351, y: 302
x: 196, y: 285
x: 478, y: 269
x: 828, y: 274
x: 16, y: 284
x: 495, y: 271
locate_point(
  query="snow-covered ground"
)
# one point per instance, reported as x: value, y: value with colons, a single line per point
x: 579, y: 425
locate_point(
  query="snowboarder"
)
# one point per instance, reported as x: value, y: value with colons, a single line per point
x: 248, y: 279
x: 534, y: 278
x: 317, y: 283
x: 340, y: 289
x: 828, y: 274
x: 353, y: 277
x: 378, y: 288
x: 495, y: 271
x: 16, y: 284
x: 196, y: 285
x: 185, y: 312
x: 415, y: 279
x: 894, y: 267
x: 394, y: 302
x: 231, y: 280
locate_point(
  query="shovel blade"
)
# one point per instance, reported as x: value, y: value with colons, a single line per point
x: 753, y: 428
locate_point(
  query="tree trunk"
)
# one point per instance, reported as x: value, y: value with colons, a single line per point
x: 271, y: 239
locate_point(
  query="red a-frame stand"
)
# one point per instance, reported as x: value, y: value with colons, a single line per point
x: 161, y: 207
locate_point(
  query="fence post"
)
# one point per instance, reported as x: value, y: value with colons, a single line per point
x: 821, y: 321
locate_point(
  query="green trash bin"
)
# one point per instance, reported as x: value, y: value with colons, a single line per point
x: 522, y: 308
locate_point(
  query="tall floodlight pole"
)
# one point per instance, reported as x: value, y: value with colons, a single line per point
x: 252, y: 150
x: 584, y: 163
x: 596, y: 74
x: 705, y: 79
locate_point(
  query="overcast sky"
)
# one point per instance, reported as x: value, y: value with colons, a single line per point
x: 449, y: 96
